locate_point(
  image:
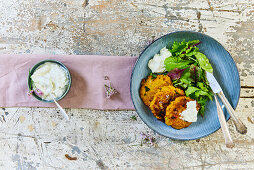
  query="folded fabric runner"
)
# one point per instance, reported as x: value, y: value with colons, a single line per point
x: 88, y: 81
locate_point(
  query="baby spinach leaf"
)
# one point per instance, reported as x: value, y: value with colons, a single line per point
x: 202, y: 60
x: 176, y: 62
x: 191, y: 90
x: 203, y: 93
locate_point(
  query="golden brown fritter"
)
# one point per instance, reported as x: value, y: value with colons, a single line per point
x: 172, y: 117
x: 150, y: 86
x: 162, y: 99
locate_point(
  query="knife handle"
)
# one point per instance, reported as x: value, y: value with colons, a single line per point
x: 228, y: 140
x: 240, y: 127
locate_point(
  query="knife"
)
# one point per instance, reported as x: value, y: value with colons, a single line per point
x: 240, y: 127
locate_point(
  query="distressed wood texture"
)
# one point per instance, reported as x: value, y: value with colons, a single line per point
x: 36, y: 138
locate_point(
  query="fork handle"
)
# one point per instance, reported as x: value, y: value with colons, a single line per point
x: 228, y: 140
x: 240, y: 127
x: 61, y: 109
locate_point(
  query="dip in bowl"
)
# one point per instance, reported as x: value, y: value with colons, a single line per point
x: 47, y: 79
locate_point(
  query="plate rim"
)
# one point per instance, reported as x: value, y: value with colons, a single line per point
x: 194, y: 32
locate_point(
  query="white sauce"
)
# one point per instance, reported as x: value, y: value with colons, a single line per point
x: 50, y: 78
x: 190, y: 114
x: 157, y: 63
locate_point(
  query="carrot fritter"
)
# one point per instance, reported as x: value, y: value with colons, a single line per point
x: 151, y: 85
x: 172, y: 117
x: 162, y: 99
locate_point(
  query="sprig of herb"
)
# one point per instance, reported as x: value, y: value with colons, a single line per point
x: 37, y: 91
x: 133, y: 117
x: 30, y: 92
x: 153, y: 75
x: 110, y: 90
x: 148, y: 139
x: 147, y: 89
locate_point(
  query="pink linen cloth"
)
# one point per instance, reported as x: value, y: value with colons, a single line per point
x: 87, y: 89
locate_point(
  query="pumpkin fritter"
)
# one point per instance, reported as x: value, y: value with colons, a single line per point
x: 150, y: 86
x: 172, y: 117
x: 162, y: 99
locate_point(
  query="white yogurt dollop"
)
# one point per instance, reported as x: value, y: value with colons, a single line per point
x: 190, y: 114
x: 157, y: 63
x: 50, y: 78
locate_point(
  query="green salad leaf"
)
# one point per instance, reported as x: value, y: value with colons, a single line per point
x: 182, y: 47
x: 202, y: 93
x: 174, y: 62
x: 178, y: 48
x: 190, y: 90
x: 202, y: 60
x: 186, y: 77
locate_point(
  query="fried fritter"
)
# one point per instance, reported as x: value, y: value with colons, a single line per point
x: 162, y: 99
x: 172, y: 117
x: 150, y: 86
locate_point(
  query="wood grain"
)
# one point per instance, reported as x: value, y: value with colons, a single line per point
x: 36, y: 138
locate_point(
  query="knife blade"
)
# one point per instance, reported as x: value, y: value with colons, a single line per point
x: 213, y: 83
x: 215, y: 86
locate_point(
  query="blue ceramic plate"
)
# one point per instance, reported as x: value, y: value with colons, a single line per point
x: 225, y: 72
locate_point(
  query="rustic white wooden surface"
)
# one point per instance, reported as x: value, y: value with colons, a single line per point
x: 36, y: 138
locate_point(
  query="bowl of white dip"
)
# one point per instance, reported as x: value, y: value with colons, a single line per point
x: 47, y: 79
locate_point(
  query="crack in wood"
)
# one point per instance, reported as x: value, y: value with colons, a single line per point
x: 192, y: 8
x: 200, y: 26
x: 247, y: 97
x: 209, y: 3
x: 250, y: 87
x: 220, y: 163
x: 27, y: 136
x: 85, y: 3
x: 3, y: 118
x: 250, y: 120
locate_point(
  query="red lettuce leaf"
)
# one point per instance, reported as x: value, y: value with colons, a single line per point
x: 176, y: 73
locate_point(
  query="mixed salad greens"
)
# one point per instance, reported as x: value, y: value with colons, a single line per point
x: 187, y: 67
